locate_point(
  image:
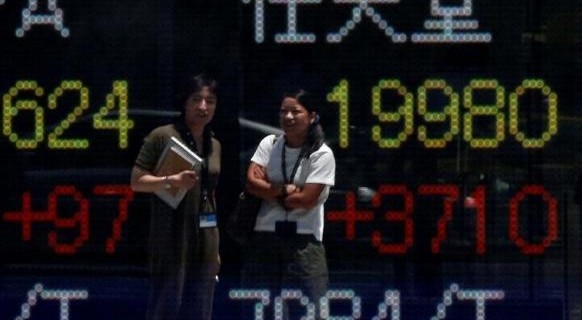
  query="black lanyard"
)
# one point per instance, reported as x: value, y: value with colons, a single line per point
x: 295, y: 167
x: 204, y: 179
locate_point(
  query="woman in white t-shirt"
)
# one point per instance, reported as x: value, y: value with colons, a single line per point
x: 292, y: 173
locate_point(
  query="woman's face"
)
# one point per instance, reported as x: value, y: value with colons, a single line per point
x: 293, y: 117
x: 200, y: 107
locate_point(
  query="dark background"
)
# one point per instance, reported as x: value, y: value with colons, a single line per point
x: 153, y: 44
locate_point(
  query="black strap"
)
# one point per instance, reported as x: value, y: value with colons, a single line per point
x: 295, y: 167
x: 205, y: 181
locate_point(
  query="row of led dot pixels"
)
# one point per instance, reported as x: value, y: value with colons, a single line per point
x: 446, y: 24
x: 405, y: 113
x: 80, y: 221
x: 391, y: 301
x: 114, y: 115
x: 350, y: 216
x: 353, y: 217
x: 55, y: 17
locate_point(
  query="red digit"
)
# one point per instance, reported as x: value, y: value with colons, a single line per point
x: 552, y: 211
x: 126, y: 196
x: 480, y: 225
x: 394, y: 215
x: 79, y: 220
x: 451, y: 194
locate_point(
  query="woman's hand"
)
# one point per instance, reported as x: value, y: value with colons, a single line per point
x: 290, y: 189
x: 145, y: 181
x: 302, y: 198
x: 186, y: 179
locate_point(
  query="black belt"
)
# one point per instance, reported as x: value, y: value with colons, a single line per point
x: 297, y: 236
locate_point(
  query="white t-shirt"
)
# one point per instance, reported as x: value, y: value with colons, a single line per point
x: 319, y: 168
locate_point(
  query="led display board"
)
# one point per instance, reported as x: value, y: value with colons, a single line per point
x: 454, y: 124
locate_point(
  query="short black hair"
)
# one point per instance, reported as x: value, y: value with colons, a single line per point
x: 193, y: 84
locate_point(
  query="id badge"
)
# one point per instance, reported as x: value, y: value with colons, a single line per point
x: 285, y: 228
x: 208, y: 220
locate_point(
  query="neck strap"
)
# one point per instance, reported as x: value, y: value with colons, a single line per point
x: 295, y: 167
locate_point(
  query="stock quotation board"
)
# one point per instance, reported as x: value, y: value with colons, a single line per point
x: 454, y: 123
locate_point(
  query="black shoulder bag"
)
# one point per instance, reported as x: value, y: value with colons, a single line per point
x: 241, y: 223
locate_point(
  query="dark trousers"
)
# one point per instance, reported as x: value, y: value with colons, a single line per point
x: 295, y: 262
x: 183, y: 282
